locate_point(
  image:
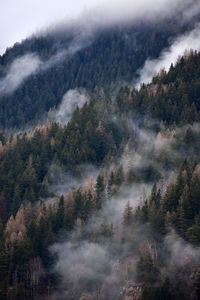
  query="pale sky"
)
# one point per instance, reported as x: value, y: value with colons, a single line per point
x: 21, y: 18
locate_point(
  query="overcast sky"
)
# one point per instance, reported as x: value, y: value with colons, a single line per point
x: 21, y: 18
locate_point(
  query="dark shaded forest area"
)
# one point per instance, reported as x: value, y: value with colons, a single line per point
x: 137, y: 210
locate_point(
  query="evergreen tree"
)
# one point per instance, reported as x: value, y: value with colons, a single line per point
x: 127, y: 215
x: 100, y: 190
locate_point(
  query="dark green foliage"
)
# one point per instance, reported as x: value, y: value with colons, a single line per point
x: 127, y: 215
x: 106, y: 229
x: 94, y: 136
x: 193, y: 234
x: 197, y: 284
x: 114, y: 56
x: 177, y: 208
x: 85, y: 139
x: 158, y: 223
x: 3, y: 209
x: 166, y: 291
x: 147, y: 270
x: 174, y: 101
x: 144, y: 213
x: 4, y: 266
x: 100, y: 190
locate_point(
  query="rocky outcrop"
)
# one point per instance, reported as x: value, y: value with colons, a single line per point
x: 132, y: 290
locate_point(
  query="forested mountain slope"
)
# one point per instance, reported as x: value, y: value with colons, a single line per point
x: 172, y: 97
x: 131, y: 223
x: 92, y: 134
x: 102, y: 60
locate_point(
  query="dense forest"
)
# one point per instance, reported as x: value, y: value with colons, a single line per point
x: 103, y: 59
x: 172, y: 97
x: 129, y: 226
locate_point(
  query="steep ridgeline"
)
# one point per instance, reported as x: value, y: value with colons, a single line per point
x: 172, y: 97
x: 104, y: 59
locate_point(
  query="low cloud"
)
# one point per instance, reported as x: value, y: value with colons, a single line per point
x: 25, y: 66
x: 85, y: 30
x: 82, y: 262
x: 181, y: 253
x: 70, y: 101
x: 37, y: 15
x: 89, y: 262
x: 87, y: 265
x: 21, y: 68
x: 62, y: 181
x: 115, y: 11
x: 187, y: 41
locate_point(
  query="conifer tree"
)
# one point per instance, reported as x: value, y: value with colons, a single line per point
x: 127, y: 214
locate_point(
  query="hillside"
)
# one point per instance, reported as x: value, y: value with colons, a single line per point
x: 172, y: 97
x: 107, y: 205
x: 74, y: 58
